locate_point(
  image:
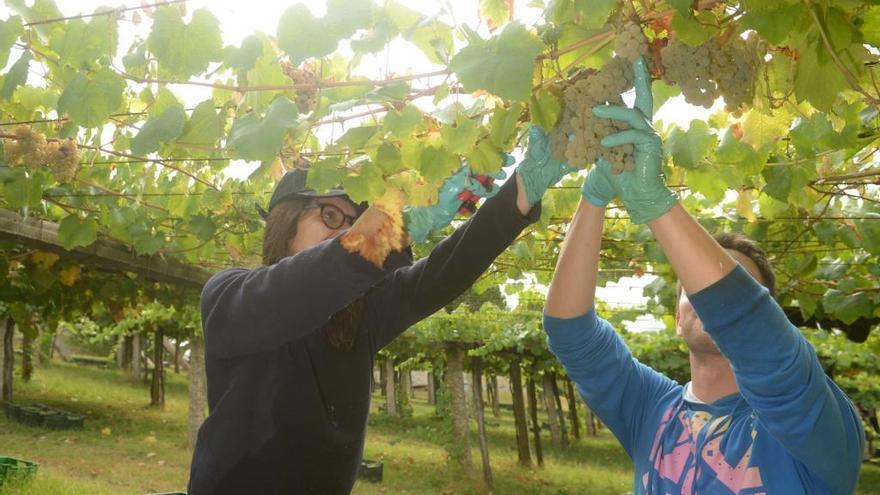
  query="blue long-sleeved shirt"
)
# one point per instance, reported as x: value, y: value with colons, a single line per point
x: 790, y: 429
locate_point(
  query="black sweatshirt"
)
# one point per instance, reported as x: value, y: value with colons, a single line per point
x: 288, y: 412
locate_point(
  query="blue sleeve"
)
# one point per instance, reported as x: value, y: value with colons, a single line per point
x: 781, y: 378
x: 623, y: 392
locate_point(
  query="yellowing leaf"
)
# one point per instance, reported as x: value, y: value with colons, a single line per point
x: 744, y: 205
x: 45, y: 259
x: 70, y: 275
x: 761, y: 129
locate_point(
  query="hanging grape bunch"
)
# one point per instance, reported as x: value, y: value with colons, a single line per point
x: 712, y: 69
x: 576, y: 139
x: 31, y: 148
x: 306, y: 98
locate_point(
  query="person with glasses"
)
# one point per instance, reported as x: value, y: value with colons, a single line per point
x: 290, y: 345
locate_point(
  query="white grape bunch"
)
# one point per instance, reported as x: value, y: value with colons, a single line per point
x: 576, y: 138
x: 631, y: 42
x: 306, y: 98
x: 712, y: 69
x: 28, y: 147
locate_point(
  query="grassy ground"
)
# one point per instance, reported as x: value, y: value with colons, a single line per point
x: 128, y: 448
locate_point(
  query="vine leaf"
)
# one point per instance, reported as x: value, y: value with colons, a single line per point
x: 688, y: 148
x: 502, y: 65
x: 10, y: 30
x: 204, y: 127
x: 90, y: 101
x: 304, y: 36
x: 261, y: 139
x: 544, y: 108
x: 73, y: 232
x: 16, y: 76
x: 162, y: 129
x: 817, y: 79
x: 185, y: 50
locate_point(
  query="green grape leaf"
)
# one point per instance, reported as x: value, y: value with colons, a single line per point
x: 503, y: 125
x: 79, y: 44
x: 847, y: 307
x: 204, y: 127
x: 437, y: 163
x: 688, y: 148
x: 707, y: 181
x: 90, y: 101
x: 326, y: 174
x: 683, y: 7
x: 743, y: 157
x: 401, y: 124
x: 184, y: 50
x: 73, y: 232
x: 19, y: 190
x: 485, y: 158
x: 817, y: 79
x: 10, y: 30
x: 261, y: 139
x: 245, y: 57
x: 496, y: 12
x: 357, y: 137
x: 434, y: 39
x: 388, y: 157
x: 761, y: 129
x: 544, y: 108
x: 302, y: 36
x: 502, y: 65
x: 135, y: 62
x: 776, y: 24
x: 266, y: 72
x: 690, y: 29
x: 366, y: 185
x: 871, y: 25
x: 869, y: 229
x: 203, y: 227
x: 779, y: 182
x: 17, y: 76
x: 663, y: 92
x: 162, y: 129
x: 460, y: 138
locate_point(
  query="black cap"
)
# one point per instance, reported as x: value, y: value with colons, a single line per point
x: 293, y: 185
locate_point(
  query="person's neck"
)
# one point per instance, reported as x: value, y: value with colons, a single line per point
x: 711, y: 377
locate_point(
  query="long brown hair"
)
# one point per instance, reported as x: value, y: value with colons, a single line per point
x: 281, y: 225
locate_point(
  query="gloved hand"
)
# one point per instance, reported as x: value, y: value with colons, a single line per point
x: 642, y: 190
x: 598, y: 187
x: 538, y: 170
x: 421, y: 221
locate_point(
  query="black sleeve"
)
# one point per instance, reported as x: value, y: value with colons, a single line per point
x: 249, y: 311
x: 414, y: 292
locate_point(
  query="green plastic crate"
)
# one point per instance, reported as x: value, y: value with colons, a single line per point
x: 16, y: 469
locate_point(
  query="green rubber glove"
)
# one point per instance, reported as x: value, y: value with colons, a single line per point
x: 421, y: 221
x: 598, y: 188
x: 538, y: 170
x: 643, y: 190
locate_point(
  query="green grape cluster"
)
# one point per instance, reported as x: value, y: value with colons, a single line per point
x: 30, y: 148
x: 713, y: 69
x: 306, y: 98
x: 576, y: 138
x: 631, y: 42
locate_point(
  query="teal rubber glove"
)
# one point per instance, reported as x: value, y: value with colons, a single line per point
x: 538, y: 170
x: 598, y: 187
x: 642, y: 190
x: 421, y: 221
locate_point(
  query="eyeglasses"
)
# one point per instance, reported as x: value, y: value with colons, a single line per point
x: 333, y: 217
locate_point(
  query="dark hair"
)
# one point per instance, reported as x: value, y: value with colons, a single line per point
x: 281, y: 224
x: 738, y: 242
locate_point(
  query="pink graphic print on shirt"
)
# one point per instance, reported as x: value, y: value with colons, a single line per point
x: 674, y: 462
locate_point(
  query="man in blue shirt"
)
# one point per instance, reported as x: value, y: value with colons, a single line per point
x: 759, y: 415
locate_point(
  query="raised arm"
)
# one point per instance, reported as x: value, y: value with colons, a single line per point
x: 413, y: 293
x: 776, y: 369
